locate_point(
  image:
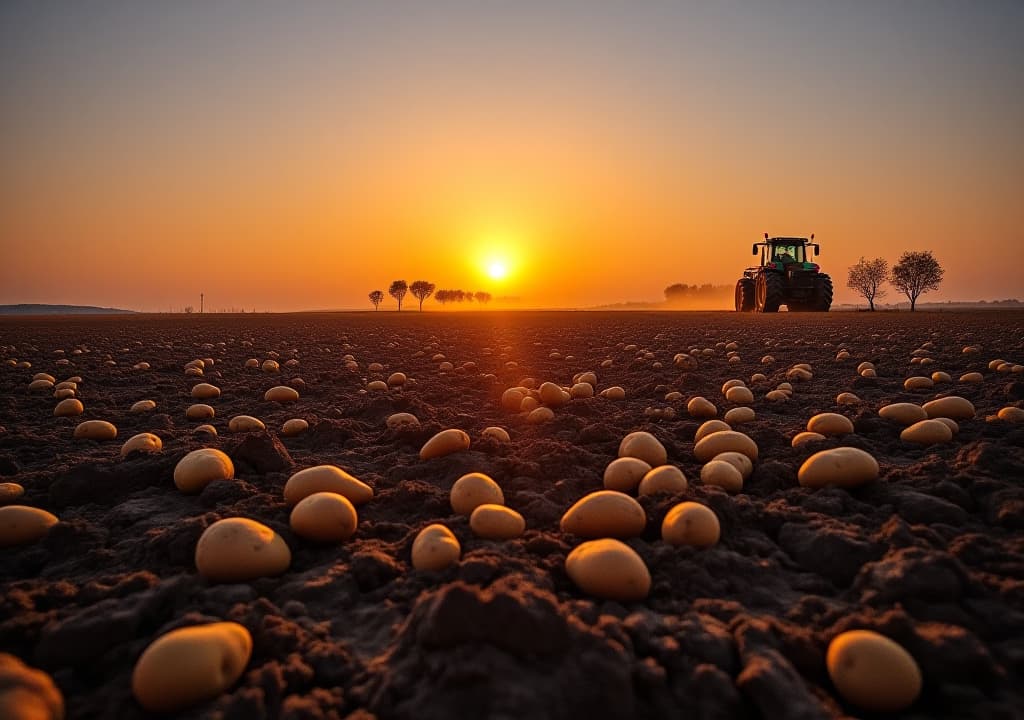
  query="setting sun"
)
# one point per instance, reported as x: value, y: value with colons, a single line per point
x: 497, y: 269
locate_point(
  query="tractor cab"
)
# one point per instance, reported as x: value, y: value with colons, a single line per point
x: 783, y: 251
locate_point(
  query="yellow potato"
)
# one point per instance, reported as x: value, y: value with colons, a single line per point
x: 377, y: 386
x: 496, y: 522
x: 610, y: 569
x: 143, y: 442
x: 663, y: 479
x: 843, y: 467
x: 200, y: 411
x: 96, y: 430
x: 529, y: 404
x: 324, y: 517
x: 582, y: 390
x: 605, y: 513
x: 27, y: 693
x: 143, y: 406
x: 1011, y: 414
x: 281, y: 394
x: 435, y: 548
x: 44, y: 376
x: 68, y: 407
x: 625, y: 473
x: 496, y: 433
x: 805, y: 437
x: 873, y: 672
x: 847, y: 398
x: 402, y: 420
x: 200, y: 468
x: 700, y: 407
x: 271, y: 366
x: 472, y: 490
x: 540, y: 415
x: 512, y: 399
x: 739, y: 395
x: 941, y: 377
x: 205, y: 391
x: 738, y: 460
x: 245, y: 423
x: 444, y: 443
x: 644, y: 446
x: 552, y: 395
x: 917, y: 383
x: 710, y: 426
x: 903, y: 413
x: 972, y: 378
x: 190, y: 665
x: 293, y: 427
x: 238, y: 549
x: 830, y: 424
x: 952, y: 407
x: 9, y: 492
x: 41, y: 384
x: 208, y: 429
x: 927, y: 432
x: 613, y: 393
x: 739, y: 415
x: 397, y: 379
x: 724, y: 441
x: 691, y: 523
x: 722, y: 474
x: 326, y: 478
x: 20, y: 524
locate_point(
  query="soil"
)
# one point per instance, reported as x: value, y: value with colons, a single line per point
x: 931, y: 555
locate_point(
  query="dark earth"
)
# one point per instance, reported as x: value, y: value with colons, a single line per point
x: 931, y: 555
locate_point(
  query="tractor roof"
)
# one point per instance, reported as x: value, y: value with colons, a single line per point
x: 788, y: 240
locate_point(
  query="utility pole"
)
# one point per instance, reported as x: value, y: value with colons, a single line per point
x: 202, y: 298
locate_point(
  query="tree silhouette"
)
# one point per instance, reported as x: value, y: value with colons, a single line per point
x: 443, y: 296
x: 916, y: 273
x: 376, y: 297
x: 866, y: 277
x: 483, y: 297
x: 421, y: 290
x: 398, y: 290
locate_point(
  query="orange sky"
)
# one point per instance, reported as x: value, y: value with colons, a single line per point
x: 286, y: 160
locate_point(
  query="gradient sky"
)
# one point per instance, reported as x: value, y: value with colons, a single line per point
x: 292, y: 156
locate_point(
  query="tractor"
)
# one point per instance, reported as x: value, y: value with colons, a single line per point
x: 784, y: 277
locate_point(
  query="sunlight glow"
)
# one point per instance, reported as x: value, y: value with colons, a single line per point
x: 497, y: 269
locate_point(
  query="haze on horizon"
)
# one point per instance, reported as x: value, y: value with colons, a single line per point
x: 296, y: 156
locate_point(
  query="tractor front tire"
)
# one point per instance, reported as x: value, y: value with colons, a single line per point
x: 744, y: 295
x: 768, y: 292
x: 822, y: 294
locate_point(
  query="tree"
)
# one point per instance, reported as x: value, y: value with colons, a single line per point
x: 459, y: 295
x: 483, y: 297
x: 443, y: 296
x: 916, y: 273
x: 422, y: 289
x: 189, y: 309
x: 377, y: 297
x: 398, y: 290
x: 866, y: 277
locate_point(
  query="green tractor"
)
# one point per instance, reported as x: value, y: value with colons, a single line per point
x: 784, y: 277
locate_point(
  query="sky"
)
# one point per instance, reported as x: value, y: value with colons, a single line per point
x: 289, y: 156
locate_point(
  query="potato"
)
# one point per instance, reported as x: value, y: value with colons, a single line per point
x: 377, y: 386
x: 613, y: 393
x: 472, y: 490
x: 41, y: 384
x: 445, y: 443
x: 972, y: 378
x: 806, y: 437
x: 496, y: 433
x: 903, y: 413
x: 776, y: 396
x: 63, y: 394
x: 27, y: 693
x: 402, y: 420
x: 663, y: 479
x: 830, y: 424
x: 238, y: 549
x: 843, y: 467
x: 95, y: 430
x: 293, y: 427
x: 529, y: 404
x: 143, y: 406
x: 739, y: 395
x: 724, y: 441
x: 207, y: 429
x: 609, y: 569
x: 20, y: 524
x: 710, y: 426
x: 205, y: 391
x: 941, y: 377
x: 326, y: 478
x: 44, y: 376
x: 435, y: 548
x: 582, y: 390
x: 644, y: 446
x: 271, y: 366
x: 605, y: 513
x: 700, y: 407
x: 1011, y: 414
x: 625, y: 473
x: 245, y: 423
x: 190, y: 665
x: 496, y: 522
x: 738, y: 460
x: 324, y: 517
x: 397, y: 379
x: 868, y: 373
x: 144, y: 443
x: 200, y: 468
x: 9, y: 492
x: 690, y: 523
x: 512, y: 399
x: 917, y: 383
x: 68, y: 408
x: 281, y: 394
x: 540, y: 415
x: 927, y: 432
x: 952, y: 407
x: 847, y: 398
x: 200, y: 412
x: 552, y: 395
x: 739, y: 415
x: 873, y: 672
x: 722, y: 474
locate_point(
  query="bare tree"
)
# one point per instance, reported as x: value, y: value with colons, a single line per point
x: 483, y: 297
x: 866, y: 277
x: 398, y: 290
x: 421, y: 290
x: 376, y: 297
x: 189, y: 309
x: 916, y: 273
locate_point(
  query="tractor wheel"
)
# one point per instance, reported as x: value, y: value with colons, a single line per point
x: 744, y: 295
x: 768, y: 292
x: 822, y: 294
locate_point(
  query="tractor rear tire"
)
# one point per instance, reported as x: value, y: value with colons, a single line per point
x: 822, y: 294
x: 768, y: 292
x: 744, y: 295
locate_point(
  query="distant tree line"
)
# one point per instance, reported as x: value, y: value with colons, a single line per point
x: 681, y: 292
x: 915, y: 274
x: 421, y: 290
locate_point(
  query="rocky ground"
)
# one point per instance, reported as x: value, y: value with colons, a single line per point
x: 931, y: 555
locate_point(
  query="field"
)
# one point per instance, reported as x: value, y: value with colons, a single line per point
x: 930, y: 555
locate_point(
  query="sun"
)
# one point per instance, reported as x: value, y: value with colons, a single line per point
x: 497, y: 269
